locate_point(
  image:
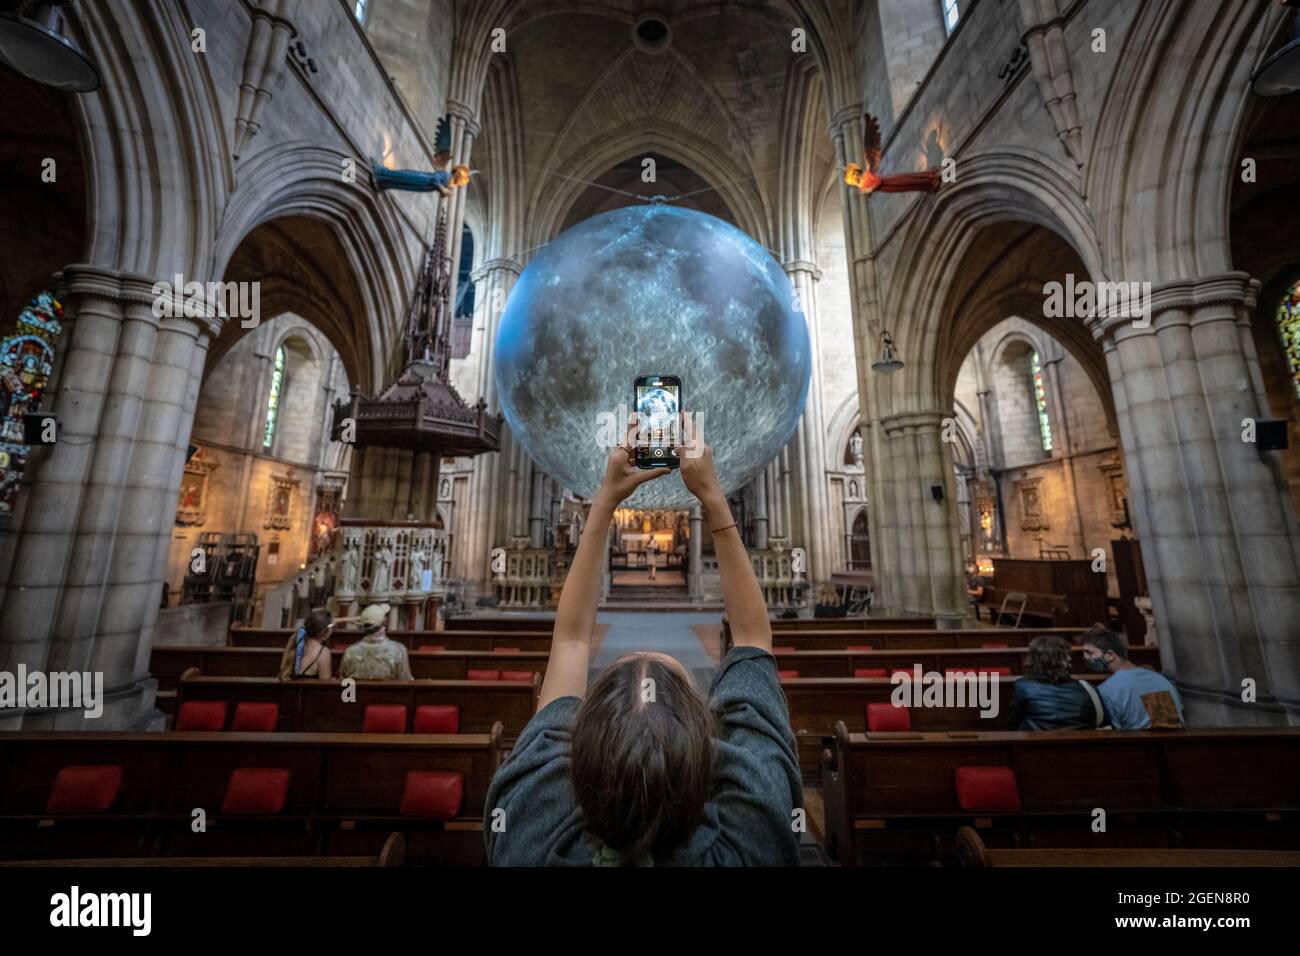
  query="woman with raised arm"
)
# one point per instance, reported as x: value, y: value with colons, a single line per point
x: 640, y: 769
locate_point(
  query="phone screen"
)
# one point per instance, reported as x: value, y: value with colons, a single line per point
x: 659, y: 420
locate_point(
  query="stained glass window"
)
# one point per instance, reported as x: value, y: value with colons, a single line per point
x: 1040, y: 402
x: 273, y: 399
x: 1288, y: 325
x: 26, y: 360
x: 950, y: 15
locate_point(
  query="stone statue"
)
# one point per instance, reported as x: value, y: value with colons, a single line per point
x: 381, y: 578
x: 437, y: 566
x: 415, y: 573
x: 855, y: 448
x: 348, y: 572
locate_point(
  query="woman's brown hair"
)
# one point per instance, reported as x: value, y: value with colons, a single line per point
x: 317, y: 622
x: 643, y: 757
x: 1048, y: 660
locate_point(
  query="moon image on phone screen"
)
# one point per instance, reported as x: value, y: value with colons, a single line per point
x: 657, y: 411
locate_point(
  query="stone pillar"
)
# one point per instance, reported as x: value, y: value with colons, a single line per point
x: 537, y: 519
x: 1064, y: 450
x: 810, y: 438
x: 498, y: 277
x: 1213, y: 513
x: 695, y: 579
x: 760, y: 510
x: 929, y: 570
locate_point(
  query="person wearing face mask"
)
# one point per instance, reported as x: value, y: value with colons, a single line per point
x: 1135, y: 698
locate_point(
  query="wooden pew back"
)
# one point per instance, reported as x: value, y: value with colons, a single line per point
x: 312, y: 706
x: 459, y: 640
x: 889, y: 796
x: 844, y: 663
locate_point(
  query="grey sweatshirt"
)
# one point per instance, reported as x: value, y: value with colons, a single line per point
x: 756, y: 783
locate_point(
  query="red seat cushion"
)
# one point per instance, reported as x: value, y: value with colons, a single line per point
x: 868, y: 672
x: 505, y: 650
x: 437, y: 719
x: 202, y: 715
x: 341, y: 647
x: 474, y: 674
x: 784, y: 674
x: 256, y: 790
x: 517, y: 675
x: 989, y: 647
x: 783, y: 650
x: 424, y: 648
x: 901, y: 670
x: 988, y: 789
x: 385, y: 719
x: 432, y: 793
x: 887, y: 717
x: 84, y: 789
x: 255, y: 717
x: 860, y: 647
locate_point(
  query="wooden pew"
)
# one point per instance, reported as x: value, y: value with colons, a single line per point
x: 452, y: 640
x: 971, y: 851
x: 819, y: 704
x: 823, y: 640
x: 791, y: 625
x: 844, y: 663
x: 392, y: 853
x: 168, y: 662
x: 891, y: 798
x: 344, y: 795
x: 538, y: 623
x: 312, y: 706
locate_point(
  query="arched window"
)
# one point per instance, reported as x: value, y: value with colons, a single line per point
x: 860, y: 543
x: 1288, y: 326
x: 462, y: 323
x: 273, y: 399
x: 26, y: 359
x: 950, y: 15
x: 1040, y: 402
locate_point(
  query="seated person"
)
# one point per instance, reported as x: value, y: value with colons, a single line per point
x: 638, y: 770
x: 1046, y: 697
x: 376, y: 656
x: 1136, y: 698
x: 307, y: 655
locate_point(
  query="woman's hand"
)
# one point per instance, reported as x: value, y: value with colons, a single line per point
x: 697, y: 468
x: 622, y: 476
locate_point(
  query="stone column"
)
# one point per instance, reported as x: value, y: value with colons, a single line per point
x: 1213, y: 513
x: 810, y: 437
x: 760, y: 510
x: 57, y: 477
x: 695, y: 579
x: 1064, y: 449
x: 498, y: 277
x: 537, y: 519
x: 928, y: 535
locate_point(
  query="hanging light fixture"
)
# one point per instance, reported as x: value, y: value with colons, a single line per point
x: 889, y: 361
x: 32, y: 42
x: 1280, y: 73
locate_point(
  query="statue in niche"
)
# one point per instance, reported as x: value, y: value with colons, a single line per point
x: 855, y: 448
x: 381, y: 578
x: 437, y: 565
x: 350, y: 566
x: 415, y: 573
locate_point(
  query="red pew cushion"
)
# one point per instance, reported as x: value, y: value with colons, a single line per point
x: 517, y: 675
x: 84, y: 789
x: 429, y: 647
x: 784, y: 674
x: 868, y: 672
x: 256, y: 717
x: 887, y: 717
x: 506, y: 650
x: 256, y: 790
x: 432, y: 793
x: 474, y: 674
x: 385, y: 719
x: 202, y: 715
x: 902, y: 670
x: 437, y: 719
x: 987, y: 789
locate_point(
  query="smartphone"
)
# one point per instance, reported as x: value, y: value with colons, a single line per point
x: 658, y: 403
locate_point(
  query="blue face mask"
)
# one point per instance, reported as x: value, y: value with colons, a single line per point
x: 1096, y: 663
